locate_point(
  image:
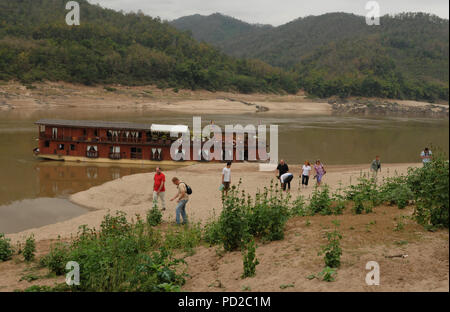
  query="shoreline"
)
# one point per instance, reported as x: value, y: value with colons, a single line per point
x: 61, y: 95
x: 132, y: 194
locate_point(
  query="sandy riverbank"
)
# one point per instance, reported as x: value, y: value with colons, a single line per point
x: 80, y: 98
x: 61, y: 95
x: 132, y: 194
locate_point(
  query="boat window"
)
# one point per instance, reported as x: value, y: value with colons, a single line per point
x: 47, y: 144
x: 55, y: 133
x: 61, y: 147
x: 72, y: 147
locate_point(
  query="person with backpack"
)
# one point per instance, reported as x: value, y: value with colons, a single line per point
x: 182, y: 199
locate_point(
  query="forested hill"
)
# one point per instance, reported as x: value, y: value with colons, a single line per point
x: 407, y: 56
x: 217, y: 29
x: 112, y: 47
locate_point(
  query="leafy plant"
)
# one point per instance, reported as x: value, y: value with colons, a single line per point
x: 6, y: 251
x: 29, y: 249
x: 154, y: 216
x: 430, y: 185
x: 332, y: 251
x: 250, y: 261
x: 321, y: 201
x: 328, y: 274
x: 57, y: 258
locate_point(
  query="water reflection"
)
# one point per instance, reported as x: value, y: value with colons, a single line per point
x: 60, y: 179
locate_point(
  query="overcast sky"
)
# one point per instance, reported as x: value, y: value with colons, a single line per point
x: 275, y: 12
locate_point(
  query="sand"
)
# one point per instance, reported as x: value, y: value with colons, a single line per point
x: 61, y: 95
x: 132, y: 194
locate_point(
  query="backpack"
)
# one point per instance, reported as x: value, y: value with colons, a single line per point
x: 188, y: 189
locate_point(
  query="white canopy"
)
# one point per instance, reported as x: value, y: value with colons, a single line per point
x: 170, y: 128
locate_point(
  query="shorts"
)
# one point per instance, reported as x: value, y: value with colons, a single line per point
x: 226, y: 186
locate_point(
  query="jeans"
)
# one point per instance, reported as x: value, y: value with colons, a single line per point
x: 181, y: 210
x: 305, y: 179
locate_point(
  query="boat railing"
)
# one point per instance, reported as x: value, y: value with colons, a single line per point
x: 114, y: 156
x: 92, y: 154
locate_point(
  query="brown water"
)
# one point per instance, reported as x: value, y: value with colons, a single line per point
x: 34, y: 193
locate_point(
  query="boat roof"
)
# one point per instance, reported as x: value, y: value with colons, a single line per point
x: 169, y: 128
x: 93, y: 124
x: 112, y: 125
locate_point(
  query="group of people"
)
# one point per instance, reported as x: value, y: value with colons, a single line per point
x: 286, y: 177
x: 283, y: 174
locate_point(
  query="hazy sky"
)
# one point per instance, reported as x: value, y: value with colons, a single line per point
x: 275, y: 12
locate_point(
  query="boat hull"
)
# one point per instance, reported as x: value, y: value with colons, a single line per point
x: 118, y: 161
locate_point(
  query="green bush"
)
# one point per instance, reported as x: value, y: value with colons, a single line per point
x: 6, y: 250
x: 299, y: 207
x: 332, y: 251
x: 249, y: 260
x: 29, y: 249
x: 321, y: 201
x: 57, y: 258
x: 430, y: 186
x: 396, y: 192
x: 365, y: 190
x: 233, y: 221
x: 268, y: 214
x: 116, y: 258
x: 154, y: 216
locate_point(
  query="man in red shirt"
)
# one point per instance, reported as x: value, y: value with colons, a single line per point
x: 159, y: 189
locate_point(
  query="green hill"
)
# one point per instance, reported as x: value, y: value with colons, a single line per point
x: 338, y: 54
x: 112, y: 47
x: 216, y: 29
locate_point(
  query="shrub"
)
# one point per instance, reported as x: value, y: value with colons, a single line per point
x: 212, y: 232
x: 396, y: 192
x: 115, y: 258
x: 6, y: 250
x: 321, y: 201
x: 56, y: 260
x: 29, y: 249
x: 156, y: 273
x: 268, y: 215
x: 328, y: 274
x: 233, y: 222
x: 332, y: 251
x: 430, y: 186
x: 249, y: 260
x: 154, y: 216
x: 365, y: 190
x: 299, y: 207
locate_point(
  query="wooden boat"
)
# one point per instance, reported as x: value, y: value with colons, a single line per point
x: 111, y: 142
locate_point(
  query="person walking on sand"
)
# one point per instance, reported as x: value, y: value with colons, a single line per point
x: 375, y: 167
x: 306, y: 169
x: 285, y: 180
x: 426, y: 156
x: 182, y: 198
x: 320, y: 172
x: 226, y: 178
x: 159, y: 188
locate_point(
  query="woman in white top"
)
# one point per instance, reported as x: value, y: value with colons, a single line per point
x: 306, y: 169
